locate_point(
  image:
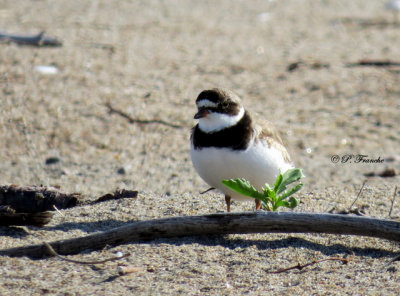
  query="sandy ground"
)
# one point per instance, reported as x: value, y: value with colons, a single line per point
x: 151, y: 59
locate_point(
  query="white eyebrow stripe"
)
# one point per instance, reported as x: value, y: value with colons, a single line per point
x: 215, y: 122
x: 206, y: 103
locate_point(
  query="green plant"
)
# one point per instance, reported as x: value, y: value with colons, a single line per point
x: 272, y: 198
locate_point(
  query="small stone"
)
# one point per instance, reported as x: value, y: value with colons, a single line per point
x: 46, y: 70
x: 389, y: 172
x: 121, y: 171
x: 52, y: 160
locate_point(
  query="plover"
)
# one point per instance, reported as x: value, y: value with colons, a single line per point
x: 227, y: 143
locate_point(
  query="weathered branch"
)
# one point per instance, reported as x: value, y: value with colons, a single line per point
x: 10, y: 217
x: 33, y: 199
x: 35, y: 40
x: 28, y: 205
x: 229, y: 223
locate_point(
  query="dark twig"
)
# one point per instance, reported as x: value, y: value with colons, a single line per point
x: 397, y: 258
x: 130, y: 119
x: 394, y: 197
x: 301, y: 267
x: 373, y: 63
x: 366, y: 23
x: 54, y: 253
x: 314, y: 65
x: 118, y: 194
x: 358, y: 195
x: 35, y: 40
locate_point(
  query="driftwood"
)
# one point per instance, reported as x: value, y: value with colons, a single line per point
x: 29, y: 205
x: 226, y: 223
x: 33, y: 199
x: 35, y: 40
x: 8, y: 216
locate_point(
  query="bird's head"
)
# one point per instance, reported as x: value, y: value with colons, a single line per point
x: 218, y: 109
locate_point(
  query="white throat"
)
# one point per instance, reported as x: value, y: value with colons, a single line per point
x: 214, y: 122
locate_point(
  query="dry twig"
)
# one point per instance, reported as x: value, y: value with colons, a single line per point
x: 374, y: 63
x: 35, y: 40
x: 301, y: 267
x: 358, y: 195
x: 118, y: 194
x: 54, y: 253
x: 394, y: 197
x: 130, y: 119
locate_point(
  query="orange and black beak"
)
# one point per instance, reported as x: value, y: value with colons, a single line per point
x: 201, y: 113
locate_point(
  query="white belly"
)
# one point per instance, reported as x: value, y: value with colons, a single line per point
x: 259, y: 164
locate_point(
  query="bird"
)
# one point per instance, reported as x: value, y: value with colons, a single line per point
x: 228, y: 143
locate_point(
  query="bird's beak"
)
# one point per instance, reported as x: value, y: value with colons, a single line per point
x: 201, y: 113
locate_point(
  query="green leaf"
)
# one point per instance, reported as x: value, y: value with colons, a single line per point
x: 267, y: 207
x: 293, y: 202
x: 278, y: 182
x: 278, y: 204
x: 267, y: 191
x: 244, y: 187
x: 289, y: 177
x: 271, y: 199
x: 290, y: 192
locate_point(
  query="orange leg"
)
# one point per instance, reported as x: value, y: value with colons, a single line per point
x: 228, y: 203
x: 258, y: 204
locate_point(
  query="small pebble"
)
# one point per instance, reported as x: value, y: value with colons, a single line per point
x: 121, y: 171
x: 46, y: 70
x: 52, y: 160
x: 122, y: 270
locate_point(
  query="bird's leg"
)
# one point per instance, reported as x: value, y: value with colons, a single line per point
x: 258, y: 204
x: 228, y: 203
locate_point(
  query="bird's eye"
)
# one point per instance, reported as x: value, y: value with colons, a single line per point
x: 225, y: 105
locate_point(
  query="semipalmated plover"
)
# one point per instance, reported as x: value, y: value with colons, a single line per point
x: 227, y: 143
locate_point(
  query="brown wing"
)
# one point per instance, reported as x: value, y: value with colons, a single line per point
x: 266, y: 131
